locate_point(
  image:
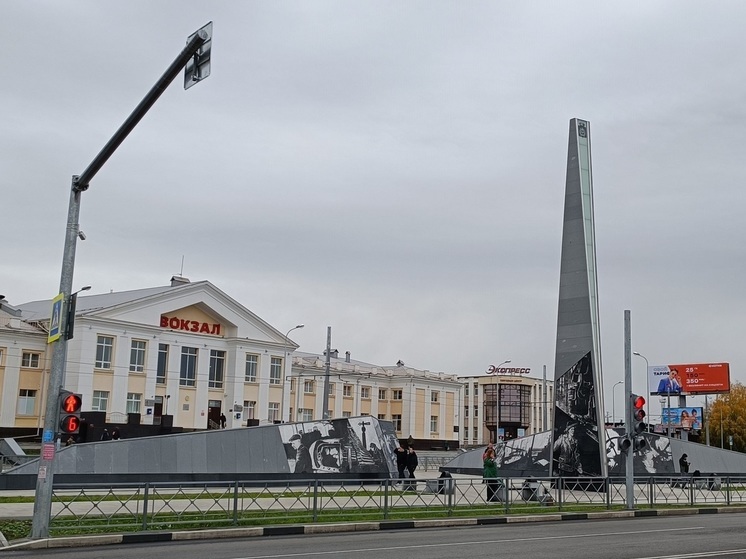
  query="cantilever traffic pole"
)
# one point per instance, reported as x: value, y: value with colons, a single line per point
x: 45, y: 476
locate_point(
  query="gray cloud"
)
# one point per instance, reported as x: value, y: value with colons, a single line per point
x: 393, y: 170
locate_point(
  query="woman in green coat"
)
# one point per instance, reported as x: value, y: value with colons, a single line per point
x: 489, y: 473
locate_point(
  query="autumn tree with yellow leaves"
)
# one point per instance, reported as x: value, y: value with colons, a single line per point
x: 727, y: 418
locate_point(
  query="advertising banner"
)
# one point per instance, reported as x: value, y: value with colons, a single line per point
x: 685, y: 379
x: 684, y: 418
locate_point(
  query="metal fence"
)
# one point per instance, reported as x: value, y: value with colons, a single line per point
x: 161, y: 506
x: 8, y: 461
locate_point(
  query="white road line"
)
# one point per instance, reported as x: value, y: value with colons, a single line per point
x: 481, y: 542
x: 700, y: 554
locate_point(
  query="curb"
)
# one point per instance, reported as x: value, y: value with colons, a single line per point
x: 300, y: 529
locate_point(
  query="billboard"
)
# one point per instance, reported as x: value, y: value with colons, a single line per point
x: 702, y: 378
x: 684, y: 418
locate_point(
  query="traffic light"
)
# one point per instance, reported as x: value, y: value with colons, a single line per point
x: 70, y: 405
x: 638, y: 422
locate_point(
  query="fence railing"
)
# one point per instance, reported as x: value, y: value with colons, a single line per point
x: 160, y: 506
x: 8, y: 461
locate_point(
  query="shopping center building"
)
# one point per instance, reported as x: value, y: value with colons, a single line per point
x: 504, y: 405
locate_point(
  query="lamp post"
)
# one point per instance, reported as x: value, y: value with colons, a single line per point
x: 613, y: 401
x: 496, y: 404
x: 647, y: 383
x: 297, y: 384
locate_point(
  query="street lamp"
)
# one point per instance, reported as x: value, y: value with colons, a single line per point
x: 647, y: 385
x: 297, y: 384
x: 496, y: 404
x: 613, y: 401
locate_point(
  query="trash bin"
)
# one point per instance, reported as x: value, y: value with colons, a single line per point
x: 530, y: 490
x: 446, y: 483
x: 501, y: 494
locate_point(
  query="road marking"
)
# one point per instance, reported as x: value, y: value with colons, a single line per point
x: 482, y: 542
x: 700, y: 554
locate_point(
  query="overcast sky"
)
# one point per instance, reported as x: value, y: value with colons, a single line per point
x: 394, y: 170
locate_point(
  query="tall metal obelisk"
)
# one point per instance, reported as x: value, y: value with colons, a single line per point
x: 578, y: 437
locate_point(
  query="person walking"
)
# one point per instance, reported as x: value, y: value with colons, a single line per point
x: 105, y: 436
x: 115, y: 435
x: 412, y: 464
x: 223, y: 420
x: 489, y: 473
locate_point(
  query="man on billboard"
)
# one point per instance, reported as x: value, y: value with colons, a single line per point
x: 670, y: 384
x: 695, y: 419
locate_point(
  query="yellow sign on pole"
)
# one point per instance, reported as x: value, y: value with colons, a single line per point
x: 56, y: 322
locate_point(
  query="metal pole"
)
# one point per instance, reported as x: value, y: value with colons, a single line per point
x: 289, y: 371
x: 668, y: 411
x: 148, y: 101
x: 325, y: 399
x: 45, y: 476
x: 613, y: 400
x: 707, y: 418
x: 495, y: 390
x: 629, y: 470
x: 545, y: 399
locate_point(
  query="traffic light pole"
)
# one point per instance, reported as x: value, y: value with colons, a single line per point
x: 45, y: 477
x: 629, y: 470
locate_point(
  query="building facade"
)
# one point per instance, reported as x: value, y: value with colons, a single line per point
x: 24, y: 370
x: 187, y: 354
x: 421, y: 404
x: 504, y: 406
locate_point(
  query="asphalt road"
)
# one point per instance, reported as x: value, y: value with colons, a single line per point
x: 675, y: 537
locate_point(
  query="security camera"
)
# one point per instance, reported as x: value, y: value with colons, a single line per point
x: 81, y: 235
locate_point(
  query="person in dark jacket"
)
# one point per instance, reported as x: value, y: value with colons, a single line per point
x: 401, y: 462
x: 105, y: 436
x: 412, y: 464
x: 684, y: 464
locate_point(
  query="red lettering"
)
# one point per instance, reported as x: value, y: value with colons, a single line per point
x: 176, y: 323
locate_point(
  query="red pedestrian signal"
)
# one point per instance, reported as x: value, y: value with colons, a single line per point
x: 70, y: 405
